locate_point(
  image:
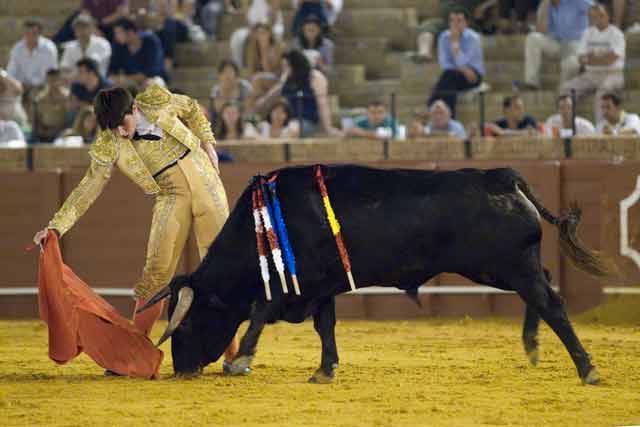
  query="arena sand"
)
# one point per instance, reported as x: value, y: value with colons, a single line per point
x: 436, y: 372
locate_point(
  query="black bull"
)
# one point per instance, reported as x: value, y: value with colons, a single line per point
x: 401, y: 228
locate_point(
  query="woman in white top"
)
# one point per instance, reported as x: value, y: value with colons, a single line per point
x: 231, y: 126
x: 279, y: 123
x: 258, y: 12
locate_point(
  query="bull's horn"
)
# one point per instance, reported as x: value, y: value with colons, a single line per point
x: 165, y: 292
x: 185, y: 298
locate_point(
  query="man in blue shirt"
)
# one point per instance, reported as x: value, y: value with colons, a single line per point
x: 460, y: 57
x: 137, y: 55
x: 376, y: 124
x: 559, y: 27
x: 440, y: 124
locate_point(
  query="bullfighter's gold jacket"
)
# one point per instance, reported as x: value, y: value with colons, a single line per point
x: 184, y: 126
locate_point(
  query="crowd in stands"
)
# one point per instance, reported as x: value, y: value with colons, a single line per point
x: 276, y: 87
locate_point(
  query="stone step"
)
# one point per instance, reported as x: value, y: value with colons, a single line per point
x: 14, y: 8
x: 202, y: 54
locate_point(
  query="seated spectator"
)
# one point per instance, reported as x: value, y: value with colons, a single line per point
x: 461, y: 59
x: 137, y: 55
x: 231, y: 126
x: 515, y: 121
x: 518, y: 9
x: 305, y: 8
x: 162, y: 20
x: 559, y: 26
x: 210, y: 12
x: 11, y: 99
x: 32, y: 57
x: 561, y: 124
x: 257, y: 12
x: 87, y: 84
x: 440, y: 123
x: 616, y: 121
x: 307, y: 92
x: 104, y: 12
x: 315, y: 45
x: 9, y: 130
x: 430, y: 29
x: 230, y: 87
x: 86, y: 45
x: 50, y: 107
x: 375, y: 124
x: 616, y: 8
x: 84, y: 127
x: 263, y: 58
x: 602, y: 53
x: 279, y: 123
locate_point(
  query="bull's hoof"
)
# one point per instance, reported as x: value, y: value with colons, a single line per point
x: 240, y: 366
x: 534, y: 357
x: 592, y: 378
x: 320, y: 377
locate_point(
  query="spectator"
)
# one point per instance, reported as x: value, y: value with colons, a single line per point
x: 86, y: 45
x: 602, y: 53
x: 375, y: 124
x: 84, y: 126
x: 11, y: 99
x: 32, y: 57
x: 616, y: 8
x: 210, y: 12
x: 521, y: 9
x: 257, y: 12
x: 305, y: 8
x: 559, y: 26
x: 105, y: 13
x: 263, y: 58
x: 279, y: 123
x: 431, y: 28
x: 561, y: 124
x: 440, y: 123
x: 313, y: 43
x: 515, y: 120
x: 461, y: 59
x: 9, y: 130
x: 306, y: 90
x: 231, y: 88
x: 170, y: 30
x: 49, y: 110
x: 87, y: 84
x: 137, y: 55
x: 615, y: 120
x: 232, y: 126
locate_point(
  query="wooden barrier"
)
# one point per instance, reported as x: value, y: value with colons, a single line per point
x: 432, y: 149
x: 517, y: 148
x: 599, y: 148
x: 46, y: 157
x: 107, y: 246
x: 13, y: 159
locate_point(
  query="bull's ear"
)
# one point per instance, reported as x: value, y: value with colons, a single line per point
x: 216, y: 302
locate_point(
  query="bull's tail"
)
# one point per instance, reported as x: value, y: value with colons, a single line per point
x: 588, y: 260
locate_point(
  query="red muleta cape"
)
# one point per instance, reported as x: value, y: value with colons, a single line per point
x: 80, y: 320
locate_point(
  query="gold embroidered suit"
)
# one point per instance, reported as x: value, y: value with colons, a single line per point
x: 190, y: 192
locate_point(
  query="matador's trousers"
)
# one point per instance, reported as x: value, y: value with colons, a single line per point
x: 191, y: 194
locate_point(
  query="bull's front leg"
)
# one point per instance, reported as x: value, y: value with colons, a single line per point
x: 241, y: 364
x: 324, y: 322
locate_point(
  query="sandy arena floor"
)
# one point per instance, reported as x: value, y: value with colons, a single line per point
x: 436, y: 373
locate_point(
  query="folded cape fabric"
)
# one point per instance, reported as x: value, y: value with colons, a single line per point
x: 80, y: 320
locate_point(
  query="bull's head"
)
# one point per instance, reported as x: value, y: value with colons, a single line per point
x: 201, y: 326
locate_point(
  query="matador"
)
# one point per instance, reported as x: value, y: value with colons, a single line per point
x: 163, y: 142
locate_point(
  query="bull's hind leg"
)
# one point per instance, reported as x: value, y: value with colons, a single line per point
x: 530, y: 335
x: 324, y: 322
x: 538, y: 295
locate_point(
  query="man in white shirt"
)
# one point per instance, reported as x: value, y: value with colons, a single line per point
x: 560, y: 124
x: 86, y: 45
x: 615, y: 120
x: 9, y: 130
x: 602, y: 53
x: 32, y: 57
